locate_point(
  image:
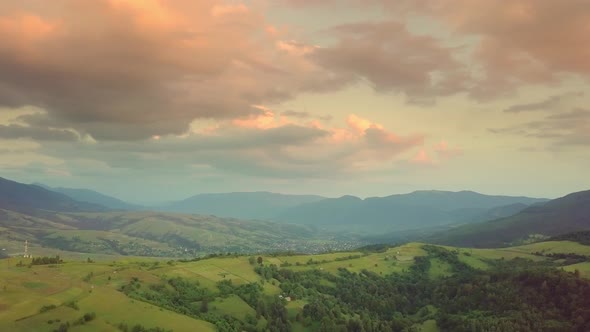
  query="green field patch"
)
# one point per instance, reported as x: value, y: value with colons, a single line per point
x: 114, y: 307
x: 97, y: 325
x: 439, y: 268
x: 238, y: 270
x: 429, y: 326
x: 39, y: 322
x: 193, y: 276
x: 34, y: 285
x: 295, y: 307
x: 551, y: 247
x: 503, y: 253
x: 269, y: 289
x: 394, y: 260
x: 232, y: 305
x: 583, y: 268
x: 474, y: 262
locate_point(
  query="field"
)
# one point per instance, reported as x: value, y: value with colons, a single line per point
x: 95, y: 286
x: 25, y: 290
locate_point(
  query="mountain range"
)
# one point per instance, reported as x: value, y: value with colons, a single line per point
x: 243, y: 205
x: 94, y: 197
x: 76, y: 217
x: 375, y: 215
x: 405, y: 211
x: 32, y: 198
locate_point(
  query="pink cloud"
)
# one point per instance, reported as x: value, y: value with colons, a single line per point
x: 444, y: 151
x: 265, y: 120
x: 517, y: 42
x: 123, y: 69
x: 225, y: 9
x: 422, y: 158
x: 508, y: 43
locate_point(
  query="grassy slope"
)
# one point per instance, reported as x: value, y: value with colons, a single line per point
x: 27, y: 289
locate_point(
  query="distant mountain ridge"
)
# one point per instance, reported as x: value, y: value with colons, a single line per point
x: 28, y: 198
x: 404, y: 211
x: 420, y: 210
x: 94, y: 197
x: 244, y: 205
x: 570, y: 213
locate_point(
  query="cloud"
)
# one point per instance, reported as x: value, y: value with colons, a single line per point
x: 390, y: 58
x: 284, y: 150
x: 565, y: 129
x: 40, y: 134
x: 549, y: 104
x: 296, y: 114
x: 516, y: 42
x: 422, y: 158
x: 507, y: 43
x: 128, y: 70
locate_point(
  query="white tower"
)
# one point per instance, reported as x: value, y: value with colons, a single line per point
x: 26, y: 255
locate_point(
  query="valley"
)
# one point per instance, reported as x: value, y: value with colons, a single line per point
x: 406, y: 266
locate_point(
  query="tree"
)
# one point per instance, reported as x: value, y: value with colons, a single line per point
x: 204, y: 306
x: 259, y: 260
x: 252, y: 260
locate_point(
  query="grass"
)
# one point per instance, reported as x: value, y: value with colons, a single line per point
x: 429, y: 326
x: 34, y: 285
x: 549, y: 247
x: 233, y: 306
x: 24, y: 290
x: 439, y: 269
x: 28, y: 289
x: 583, y: 268
x: 395, y: 259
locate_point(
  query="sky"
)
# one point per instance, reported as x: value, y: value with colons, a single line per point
x: 159, y: 100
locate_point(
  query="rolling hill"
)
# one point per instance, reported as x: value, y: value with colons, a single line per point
x: 416, y: 210
x: 570, y: 213
x: 158, y: 234
x: 416, y: 287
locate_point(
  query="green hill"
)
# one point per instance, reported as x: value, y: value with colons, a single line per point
x: 416, y: 286
x: 570, y: 213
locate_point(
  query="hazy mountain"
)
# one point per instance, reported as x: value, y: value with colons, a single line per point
x: 563, y: 215
x: 401, y: 212
x: 451, y: 201
x: 465, y: 216
x: 245, y: 205
x: 91, y: 196
x: 24, y: 197
x: 502, y: 211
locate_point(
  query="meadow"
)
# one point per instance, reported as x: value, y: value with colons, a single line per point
x: 78, y: 286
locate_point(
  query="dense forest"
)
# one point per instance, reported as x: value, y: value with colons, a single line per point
x: 582, y: 237
x: 515, y: 295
